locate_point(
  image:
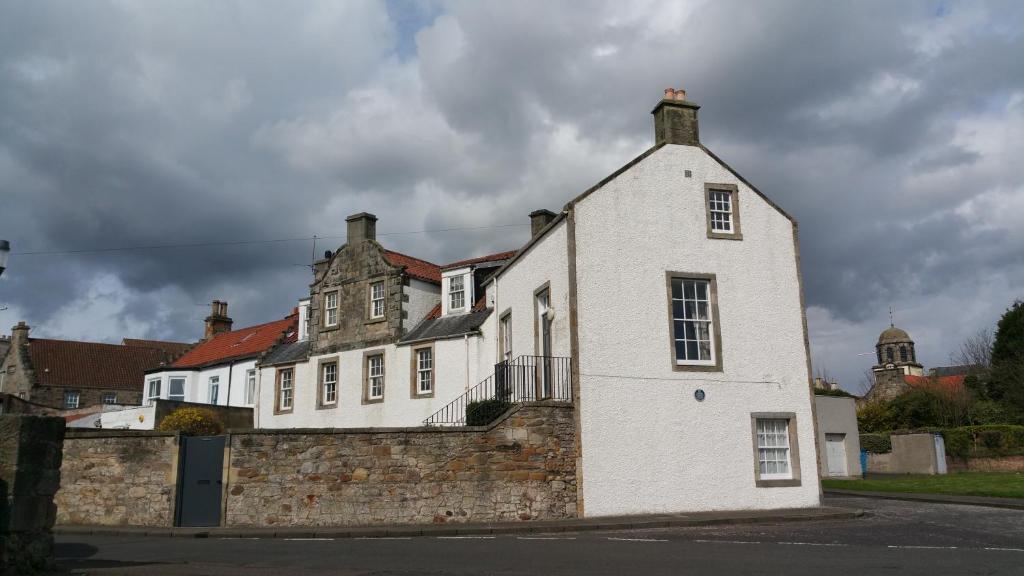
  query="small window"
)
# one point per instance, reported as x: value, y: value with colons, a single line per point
x: 214, y: 389
x: 377, y: 300
x: 153, y: 392
x: 329, y: 383
x: 71, y: 399
x: 694, y: 326
x: 457, y: 292
x: 109, y: 398
x: 331, y: 309
x: 176, y: 389
x: 505, y: 337
x: 425, y: 371
x: 285, y: 390
x: 374, y: 382
x: 250, y: 387
x: 773, y: 449
x: 723, y: 211
x: 888, y: 354
x: 903, y: 354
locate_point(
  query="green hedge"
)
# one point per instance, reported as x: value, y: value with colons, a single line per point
x: 992, y: 440
x: 876, y: 443
x: 838, y: 393
x: 484, y: 412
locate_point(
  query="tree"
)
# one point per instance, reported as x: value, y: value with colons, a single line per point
x: 975, y: 351
x: 1006, y: 381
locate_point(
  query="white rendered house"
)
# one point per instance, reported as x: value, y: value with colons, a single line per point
x: 665, y: 303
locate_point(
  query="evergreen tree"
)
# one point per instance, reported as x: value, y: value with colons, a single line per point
x: 1007, y: 378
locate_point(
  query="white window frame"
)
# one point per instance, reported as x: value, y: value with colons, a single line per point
x: 170, y: 383
x: 70, y: 395
x: 425, y: 370
x: 377, y: 299
x: 457, y: 291
x: 213, y: 389
x: 698, y: 312
x: 111, y: 395
x: 720, y: 208
x: 331, y: 309
x: 375, y: 376
x: 505, y: 333
x: 250, y: 387
x: 151, y: 397
x: 285, y: 389
x: 329, y: 387
x: 773, y: 448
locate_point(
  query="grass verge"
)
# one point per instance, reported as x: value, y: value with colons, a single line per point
x: 996, y: 484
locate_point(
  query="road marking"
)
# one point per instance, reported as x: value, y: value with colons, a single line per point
x: 383, y: 538
x: 811, y: 544
x: 466, y: 537
x: 637, y: 540
x: 727, y: 542
x: 541, y: 538
x: 309, y: 539
x: 924, y: 547
x: 1005, y: 549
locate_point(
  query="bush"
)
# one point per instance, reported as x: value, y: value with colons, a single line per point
x: 192, y: 422
x: 484, y: 412
x: 984, y: 441
x: 875, y: 417
x: 840, y: 393
x: 876, y: 443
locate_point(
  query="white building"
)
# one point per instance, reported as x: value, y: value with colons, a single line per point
x: 665, y: 303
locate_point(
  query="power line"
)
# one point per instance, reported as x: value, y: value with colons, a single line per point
x: 246, y: 242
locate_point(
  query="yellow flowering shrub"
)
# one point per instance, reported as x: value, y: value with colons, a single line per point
x: 192, y: 422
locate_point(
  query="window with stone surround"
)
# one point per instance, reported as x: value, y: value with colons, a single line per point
x: 693, y: 314
x: 776, y: 456
x: 377, y: 300
x: 373, y: 377
x: 457, y: 292
x: 109, y: 398
x: 424, y: 370
x: 329, y: 383
x: 71, y: 399
x: 723, y: 211
x: 331, y: 309
x: 285, y: 389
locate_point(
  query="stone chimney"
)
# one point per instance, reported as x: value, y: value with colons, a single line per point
x: 218, y: 320
x: 675, y: 120
x: 19, y: 335
x: 539, y: 219
x: 362, y: 226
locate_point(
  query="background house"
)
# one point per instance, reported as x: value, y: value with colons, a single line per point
x: 69, y: 374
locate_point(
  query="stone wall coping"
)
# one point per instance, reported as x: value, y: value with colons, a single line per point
x: 409, y: 429
x: 73, y: 433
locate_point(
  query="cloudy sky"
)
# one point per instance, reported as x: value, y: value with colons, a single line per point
x: 893, y: 131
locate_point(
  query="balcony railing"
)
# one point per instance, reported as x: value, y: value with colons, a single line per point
x: 524, y: 379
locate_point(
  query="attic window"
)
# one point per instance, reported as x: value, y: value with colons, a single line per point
x: 377, y: 300
x: 457, y: 292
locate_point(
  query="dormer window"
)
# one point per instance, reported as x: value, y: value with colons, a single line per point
x: 377, y: 300
x: 457, y: 292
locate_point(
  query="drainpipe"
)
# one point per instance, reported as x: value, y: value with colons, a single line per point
x: 230, y: 366
x: 465, y: 338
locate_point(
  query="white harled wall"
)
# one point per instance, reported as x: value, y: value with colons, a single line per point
x: 197, y: 383
x: 648, y: 445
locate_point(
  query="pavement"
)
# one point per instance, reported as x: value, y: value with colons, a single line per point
x: 893, y: 536
x: 467, y: 529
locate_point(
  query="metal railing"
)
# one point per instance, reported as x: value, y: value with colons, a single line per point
x: 524, y: 379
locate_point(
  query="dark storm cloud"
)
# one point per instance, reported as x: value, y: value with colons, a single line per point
x: 886, y: 128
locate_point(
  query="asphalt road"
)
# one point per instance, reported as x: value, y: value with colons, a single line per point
x: 893, y: 538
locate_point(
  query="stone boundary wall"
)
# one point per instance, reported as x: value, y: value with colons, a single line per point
x: 998, y: 464
x: 30, y: 462
x: 118, y: 478
x: 522, y: 467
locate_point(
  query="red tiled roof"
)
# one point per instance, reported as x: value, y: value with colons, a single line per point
x: 942, y: 382
x: 434, y: 313
x: 73, y: 364
x: 480, y: 259
x: 172, y: 348
x: 241, y: 343
x: 414, y: 267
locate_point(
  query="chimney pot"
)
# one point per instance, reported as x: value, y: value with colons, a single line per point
x: 218, y: 320
x: 361, y: 227
x: 680, y: 95
x: 670, y: 93
x: 539, y: 219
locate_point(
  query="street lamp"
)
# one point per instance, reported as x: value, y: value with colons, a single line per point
x: 5, y: 250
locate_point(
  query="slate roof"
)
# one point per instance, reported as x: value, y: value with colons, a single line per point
x: 961, y: 370
x: 414, y: 267
x: 237, y: 344
x: 447, y: 326
x: 287, y: 353
x: 500, y: 256
x: 66, y: 363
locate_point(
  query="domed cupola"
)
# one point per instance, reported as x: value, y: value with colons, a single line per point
x: 895, y: 348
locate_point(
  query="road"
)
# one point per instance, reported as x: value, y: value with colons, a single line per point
x: 893, y: 538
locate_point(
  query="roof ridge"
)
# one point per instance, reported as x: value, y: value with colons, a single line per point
x: 404, y: 255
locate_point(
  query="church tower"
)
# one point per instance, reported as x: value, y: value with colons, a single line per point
x: 897, y: 359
